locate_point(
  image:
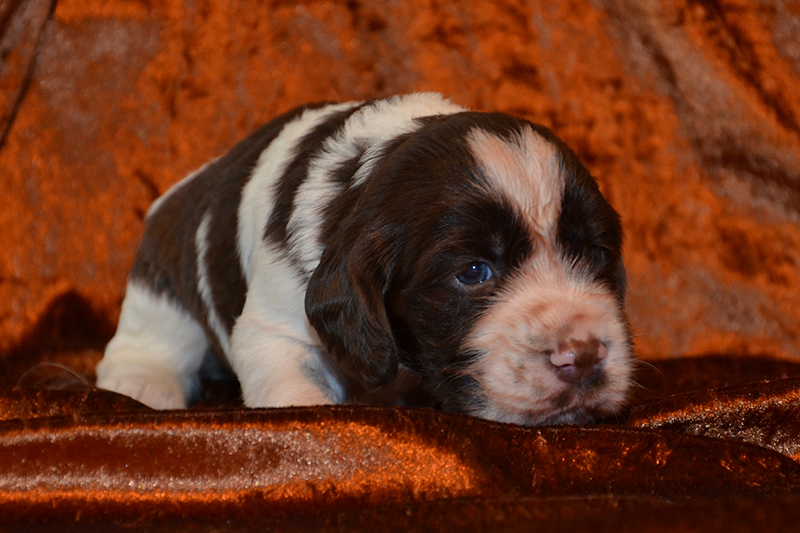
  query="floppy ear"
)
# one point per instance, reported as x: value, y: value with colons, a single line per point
x: 345, y: 304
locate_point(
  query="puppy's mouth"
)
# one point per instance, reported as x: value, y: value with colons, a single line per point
x: 570, y: 405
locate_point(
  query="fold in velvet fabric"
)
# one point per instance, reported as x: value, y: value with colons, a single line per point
x: 688, y: 461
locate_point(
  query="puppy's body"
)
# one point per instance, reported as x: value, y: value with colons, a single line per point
x: 401, y: 244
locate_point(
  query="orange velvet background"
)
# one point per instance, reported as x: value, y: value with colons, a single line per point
x: 686, y: 111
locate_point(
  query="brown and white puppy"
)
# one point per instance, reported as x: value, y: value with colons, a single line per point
x: 403, y: 245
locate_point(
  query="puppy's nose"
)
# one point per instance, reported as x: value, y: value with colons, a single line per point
x: 577, y: 361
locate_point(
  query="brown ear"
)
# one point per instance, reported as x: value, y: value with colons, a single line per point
x: 345, y: 305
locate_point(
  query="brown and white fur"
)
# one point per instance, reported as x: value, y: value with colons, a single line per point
x: 393, y: 249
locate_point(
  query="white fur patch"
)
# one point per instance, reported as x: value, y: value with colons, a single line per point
x: 273, y: 344
x: 259, y: 193
x: 156, y: 353
x: 524, y: 171
x: 204, y: 288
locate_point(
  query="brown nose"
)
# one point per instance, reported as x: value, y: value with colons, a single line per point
x: 578, y: 361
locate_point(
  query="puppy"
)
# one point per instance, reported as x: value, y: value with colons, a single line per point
x: 401, y: 250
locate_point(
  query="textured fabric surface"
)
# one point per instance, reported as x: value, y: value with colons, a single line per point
x: 691, y: 461
x: 686, y: 111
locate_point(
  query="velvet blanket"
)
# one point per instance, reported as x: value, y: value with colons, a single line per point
x: 701, y: 459
x: 686, y: 111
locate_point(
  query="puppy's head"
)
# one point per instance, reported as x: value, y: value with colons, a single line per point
x: 480, y: 255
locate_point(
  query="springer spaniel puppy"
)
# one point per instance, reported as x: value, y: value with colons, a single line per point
x: 401, y: 250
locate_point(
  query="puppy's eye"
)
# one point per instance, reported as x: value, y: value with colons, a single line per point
x: 475, y: 273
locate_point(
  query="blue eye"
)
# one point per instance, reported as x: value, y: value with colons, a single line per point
x: 474, y: 274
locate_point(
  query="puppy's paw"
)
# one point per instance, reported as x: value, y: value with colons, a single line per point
x: 153, y: 390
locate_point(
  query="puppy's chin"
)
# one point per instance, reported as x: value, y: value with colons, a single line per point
x: 547, y: 415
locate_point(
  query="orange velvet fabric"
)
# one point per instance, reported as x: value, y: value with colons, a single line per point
x: 686, y: 111
x: 678, y: 461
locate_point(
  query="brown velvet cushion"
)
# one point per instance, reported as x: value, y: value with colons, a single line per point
x: 691, y: 460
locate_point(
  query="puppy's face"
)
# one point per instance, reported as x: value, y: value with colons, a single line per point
x: 481, y: 256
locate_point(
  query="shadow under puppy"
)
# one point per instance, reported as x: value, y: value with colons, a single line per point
x: 388, y: 250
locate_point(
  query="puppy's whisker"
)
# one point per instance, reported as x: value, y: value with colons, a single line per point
x: 52, y: 375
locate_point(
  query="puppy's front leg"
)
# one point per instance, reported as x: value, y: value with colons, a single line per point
x: 274, y: 366
x: 156, y: 353
x: 274, y: 349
